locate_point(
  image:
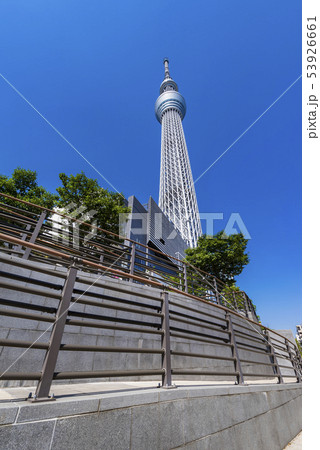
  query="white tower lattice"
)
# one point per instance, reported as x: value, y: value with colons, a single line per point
x: 177, y: 196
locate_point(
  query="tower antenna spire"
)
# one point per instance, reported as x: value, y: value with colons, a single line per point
x: 166, y: 68
x: 177, y: 195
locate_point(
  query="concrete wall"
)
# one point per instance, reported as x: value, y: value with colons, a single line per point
x: 28, y: 330
x: 232, y: 418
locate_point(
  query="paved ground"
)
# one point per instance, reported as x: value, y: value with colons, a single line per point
x: 295, y: 444
x: 73, y: 389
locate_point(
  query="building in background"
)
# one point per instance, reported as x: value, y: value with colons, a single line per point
x: 148, y: 225
x: 177, y: 196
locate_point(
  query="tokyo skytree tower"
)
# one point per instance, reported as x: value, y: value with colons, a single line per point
x: 177, y: 196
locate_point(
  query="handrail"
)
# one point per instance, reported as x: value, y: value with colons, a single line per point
x: 72, y: 219
x: 198, y: 327
x: 163, y: 286
x: 152, y: 264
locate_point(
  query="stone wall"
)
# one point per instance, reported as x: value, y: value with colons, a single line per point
x: 235, y: 418
x: 21, y: 360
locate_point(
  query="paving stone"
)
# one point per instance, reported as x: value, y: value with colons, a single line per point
x: 59, y: 408
x: 107, y: 430
x: 145, y: 434
x: 127, y: 399
x: 171, y: 424
x: 8, y: 414
x: 31, y: 436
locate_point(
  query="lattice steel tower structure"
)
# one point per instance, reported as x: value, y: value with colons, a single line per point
x: 177, y: 196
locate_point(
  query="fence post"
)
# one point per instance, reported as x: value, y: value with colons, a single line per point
x: 185, y: 277
x: 50, y: 360
x: 133, y: 258
x: 191, y: 276
x: 273, y: 358
x: 23, y: 238
x: 292, y: 361
x: 235, y: 304
x: 235, y: 354
x: 216, y: 291
x: 298, y: 362
x: 35, y: 234
x: 165, y: 342
x: 245, y: 304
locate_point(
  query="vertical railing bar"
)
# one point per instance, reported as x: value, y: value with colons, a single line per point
x: 101, y: 262
x: 235, y: 353
x: 245, y: 303
x: 192, y: 282
x: 23, y: 237
x: 35, y: 234
x: 50, y: 360
x: 185, y: 278
x: 234, y: 300
x: 165, y: 342
x: 292, y: 361
x: 132, y: 260
x: 273, y: 358
x: 216, y: 291
x: 299, y: 362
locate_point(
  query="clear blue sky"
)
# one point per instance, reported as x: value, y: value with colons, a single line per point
x: 94, y: 68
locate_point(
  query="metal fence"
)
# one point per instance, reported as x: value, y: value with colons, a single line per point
x: 56, y: 231
x: 245, y: 343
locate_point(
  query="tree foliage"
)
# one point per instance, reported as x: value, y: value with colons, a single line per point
x: 220, y: 255
x: 23, y: 184
x: 299, y: 346
x: 77, y: 192
x: 81, y: 191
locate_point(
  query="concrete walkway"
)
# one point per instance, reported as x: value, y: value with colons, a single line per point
x: 295, y: 444
x: 94, y: 388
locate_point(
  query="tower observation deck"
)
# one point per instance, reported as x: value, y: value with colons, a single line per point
x: 177, y: 196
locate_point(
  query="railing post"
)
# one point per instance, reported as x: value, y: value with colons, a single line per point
x: 35, y: 234
x: 298, y: 361
x: 185, y: 277
x: 132, y: 260
x: 216, y: 291
x: 101, y: 259
x: 165, y: 343
x: 235, y: 354
x: 292, y: 361
x: 245, y: 304
x: 23, y: 238
x: 273, y: 358
x: 191, y: 276
x: 50, y: 360
x: 234, y: 300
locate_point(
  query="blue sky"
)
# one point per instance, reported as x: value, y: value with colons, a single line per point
x: 93, y: 69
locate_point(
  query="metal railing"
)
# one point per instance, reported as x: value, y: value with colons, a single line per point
x: 237, y: 348
x: 37, y: 225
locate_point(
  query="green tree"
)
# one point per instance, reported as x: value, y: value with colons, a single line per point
x: 232, y: 297
x: 81, y: 191
x: 220, y: 255
x: 23, y: 184
x: 299, y: 346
